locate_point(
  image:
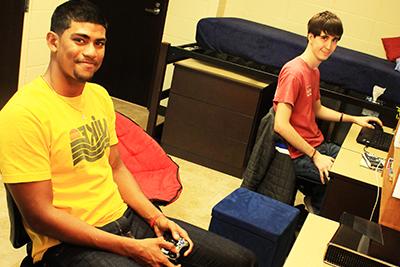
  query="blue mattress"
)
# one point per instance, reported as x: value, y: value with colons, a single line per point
x: 270, y: 46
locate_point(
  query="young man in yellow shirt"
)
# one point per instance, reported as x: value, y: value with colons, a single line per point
x: 59, y: 159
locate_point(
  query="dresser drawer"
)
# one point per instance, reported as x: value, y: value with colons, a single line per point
x: 213, y: 119
x: 203, y: 142
x: 215, y: 90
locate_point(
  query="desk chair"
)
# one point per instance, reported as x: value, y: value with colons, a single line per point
x: 270, y: 172
x: 18, y: 235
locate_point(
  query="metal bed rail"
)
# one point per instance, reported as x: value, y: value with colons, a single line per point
x: 170, y: 54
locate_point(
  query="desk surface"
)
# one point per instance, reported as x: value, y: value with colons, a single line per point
x: 214, y: 70
x: 311, y: 243
x: 347, y: 163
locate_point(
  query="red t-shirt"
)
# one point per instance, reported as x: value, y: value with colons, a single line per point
x: 298, y: 85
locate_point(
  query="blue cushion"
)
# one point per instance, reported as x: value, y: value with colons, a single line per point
x: 262, y: 224
x: 257, y: 213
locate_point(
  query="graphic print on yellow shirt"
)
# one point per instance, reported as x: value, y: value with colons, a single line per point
x: 89, y: 141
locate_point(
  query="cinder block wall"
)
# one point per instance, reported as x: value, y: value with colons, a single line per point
x: 34, y: 51
x: 365, y: 21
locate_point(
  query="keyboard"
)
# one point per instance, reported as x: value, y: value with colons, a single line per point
x: 375, y: 138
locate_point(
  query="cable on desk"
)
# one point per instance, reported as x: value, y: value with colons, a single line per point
x: 376, y: 172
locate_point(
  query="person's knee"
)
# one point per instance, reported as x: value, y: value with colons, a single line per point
x: 250, y: 259
x: 244, y: 258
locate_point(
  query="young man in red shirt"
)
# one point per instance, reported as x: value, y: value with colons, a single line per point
x: 297, y: 104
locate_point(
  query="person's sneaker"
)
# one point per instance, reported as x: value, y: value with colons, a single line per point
x: 307, y: 203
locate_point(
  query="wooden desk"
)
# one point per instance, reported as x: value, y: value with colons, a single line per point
x: 353, y: 188
x: 311, y: 243
x: 213, y: 115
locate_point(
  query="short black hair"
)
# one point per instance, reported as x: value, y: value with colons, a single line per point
x: 325, y: 22
x: 75, y: 10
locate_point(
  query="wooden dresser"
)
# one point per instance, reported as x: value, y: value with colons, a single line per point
x: 213, y: 115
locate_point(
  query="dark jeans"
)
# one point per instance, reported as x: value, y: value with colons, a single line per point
x: 304, y: 167
x: 209, y: 248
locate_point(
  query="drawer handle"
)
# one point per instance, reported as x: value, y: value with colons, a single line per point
x: 155, y: 11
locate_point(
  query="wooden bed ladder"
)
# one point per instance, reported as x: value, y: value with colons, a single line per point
x: 157, y: 93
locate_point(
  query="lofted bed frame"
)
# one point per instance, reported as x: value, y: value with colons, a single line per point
x: 260, y: 51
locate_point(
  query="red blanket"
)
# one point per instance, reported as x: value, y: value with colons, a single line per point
x: 155, y: 172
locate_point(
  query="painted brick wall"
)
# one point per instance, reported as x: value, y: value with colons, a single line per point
x: 34, y: 51
x: 365, y: 21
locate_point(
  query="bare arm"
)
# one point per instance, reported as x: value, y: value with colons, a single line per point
x: 129, y: 188
x: 283, y: 127
x: 34, y: 201
x: 324, y: 113
x: 134, y: 197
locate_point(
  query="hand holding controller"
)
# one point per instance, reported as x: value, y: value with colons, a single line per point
x: 181, y: 246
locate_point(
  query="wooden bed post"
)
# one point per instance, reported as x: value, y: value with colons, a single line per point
x: 156, y: 89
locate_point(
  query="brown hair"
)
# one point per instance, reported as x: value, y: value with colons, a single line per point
x: 326, y: 22
x: 75, y: 10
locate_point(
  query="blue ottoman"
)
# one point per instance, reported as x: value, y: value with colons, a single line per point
x: 257, y: 222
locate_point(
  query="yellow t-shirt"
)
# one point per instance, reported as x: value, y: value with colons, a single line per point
x: 46, y: 136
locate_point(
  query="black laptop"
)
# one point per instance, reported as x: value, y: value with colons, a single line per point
x: 375, y: 138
